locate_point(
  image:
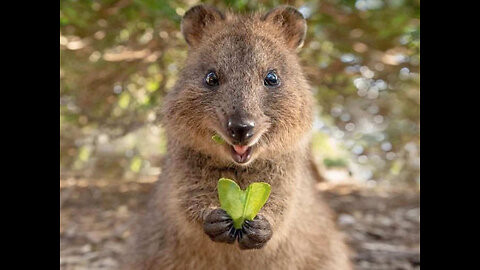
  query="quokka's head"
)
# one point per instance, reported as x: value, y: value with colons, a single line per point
x: 242, y: 80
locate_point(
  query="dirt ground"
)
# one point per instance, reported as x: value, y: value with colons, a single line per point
x: 383, y: 226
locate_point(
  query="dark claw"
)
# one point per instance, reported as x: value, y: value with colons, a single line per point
x: 225, y: 237
x: 255, y: 233
x: 259, y: 222
x: 216, y: 228
x: 219, y: 226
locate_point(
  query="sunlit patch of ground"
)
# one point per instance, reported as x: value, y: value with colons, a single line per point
x: 382, y: 224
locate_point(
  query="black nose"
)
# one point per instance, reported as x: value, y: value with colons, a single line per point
x: 240, y: 129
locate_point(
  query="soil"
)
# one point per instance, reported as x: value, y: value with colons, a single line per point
x: 382, y: 225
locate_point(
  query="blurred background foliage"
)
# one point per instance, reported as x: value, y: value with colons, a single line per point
x: 118, y: 59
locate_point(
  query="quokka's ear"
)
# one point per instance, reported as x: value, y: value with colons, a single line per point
x: 196, y: 20
x: 291, y: 22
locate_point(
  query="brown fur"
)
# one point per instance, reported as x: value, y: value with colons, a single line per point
x: 241, y: 49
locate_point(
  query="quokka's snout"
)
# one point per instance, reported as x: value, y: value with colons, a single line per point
x: 240, y: 128
x: 242, y: 131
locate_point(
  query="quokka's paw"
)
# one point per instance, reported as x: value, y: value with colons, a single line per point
x: 218, y: 225
x: 254, y: 233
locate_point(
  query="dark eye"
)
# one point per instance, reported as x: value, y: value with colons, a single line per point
x: 211, y: 79
x: 271, y: 79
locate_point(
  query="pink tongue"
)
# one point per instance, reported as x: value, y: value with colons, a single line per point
x: 240, y: 149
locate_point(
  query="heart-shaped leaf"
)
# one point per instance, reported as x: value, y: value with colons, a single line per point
x: 242, y: 204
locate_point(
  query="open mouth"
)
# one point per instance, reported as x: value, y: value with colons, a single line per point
x: 241, y: 153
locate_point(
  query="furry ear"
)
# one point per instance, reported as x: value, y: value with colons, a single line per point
x: 291, y: 22
x: 196, y: 20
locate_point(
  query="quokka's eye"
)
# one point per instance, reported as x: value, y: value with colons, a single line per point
x: 211, y: 79
x: 271, y: 80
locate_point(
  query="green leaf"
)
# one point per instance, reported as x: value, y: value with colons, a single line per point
x: 242, y: 204
x: 232, y: 200
x: 257, y: 196
x: 218, y: 139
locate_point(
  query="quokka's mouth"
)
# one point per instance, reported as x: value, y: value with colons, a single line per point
x: 241, y: 153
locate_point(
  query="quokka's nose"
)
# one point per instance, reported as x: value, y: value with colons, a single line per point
x: 240, y: 129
